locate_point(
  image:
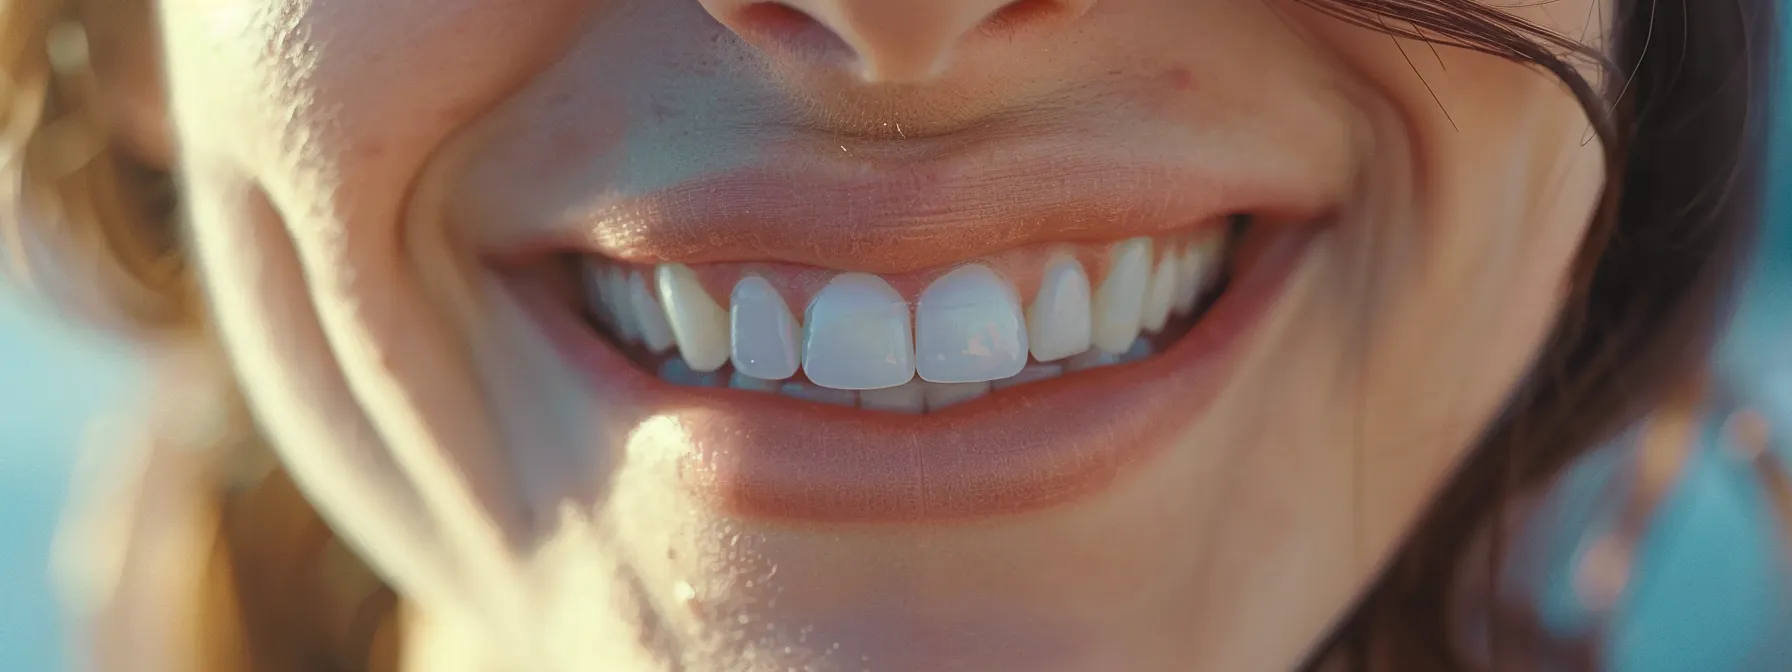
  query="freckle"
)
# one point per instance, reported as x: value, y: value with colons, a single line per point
x: 660, y: 111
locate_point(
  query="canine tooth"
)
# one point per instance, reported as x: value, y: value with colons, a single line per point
x: 1188, y: 279
x: 969, y: 328
x: 677, y: 372
x: 819, y: 394
x: 942, y: 395
x: 741, y: 381
x: 648, y: 315
x: 857, y: 335
x: 909, y: 397
x: 1032, y: 374
x: 698, y: 325
x: 1121, y: 298
x: 1159, y: 294
x: 614, y: 286
x: 766, y: 342
x: 1090, y: 359
x: 1058, y: 323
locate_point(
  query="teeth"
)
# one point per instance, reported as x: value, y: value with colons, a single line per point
x: 1159, y: 294
x: 1090, y: 359
x: 614, y: 286
x: 597, y: 301
x: 1058, y: 323
x: 741, y: 381
x: 1121, y: 299
x: 677, y: 372
x: 860, y: 344
x: 941, y: 395
x: 1188, y: 280
x: 909, y: 397
x: 698, y: 324
x: 819, y: 394
x: 765, y: 334
x: 1032, y: 374
x: 858, y: 335
x: 648, y: 317
x: 1140, y: 349
x: 969, y: 328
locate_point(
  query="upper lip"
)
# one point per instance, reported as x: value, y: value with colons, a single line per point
x: 893, y: 206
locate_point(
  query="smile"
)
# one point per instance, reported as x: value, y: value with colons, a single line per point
x: 997, y: 382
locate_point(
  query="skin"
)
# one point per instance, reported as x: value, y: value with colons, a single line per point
x: 332, y: 153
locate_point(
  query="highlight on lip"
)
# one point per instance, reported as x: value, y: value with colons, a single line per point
x: 915, y: 342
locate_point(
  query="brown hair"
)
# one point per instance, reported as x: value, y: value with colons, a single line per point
x: 1682, y: 116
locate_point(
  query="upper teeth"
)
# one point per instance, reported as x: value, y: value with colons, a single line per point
x: 965, y: 330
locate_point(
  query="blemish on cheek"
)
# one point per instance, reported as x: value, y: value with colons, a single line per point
x: 1177, y: 79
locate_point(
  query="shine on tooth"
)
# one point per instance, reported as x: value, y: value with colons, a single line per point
x: 765, y: 340
x: 819, y: 394
x: 858, y: 335
x: 969, y: 328
x: 1159, y: 294
x: 942, y: 395
x: 1120, y: 301
x: 649, y: 317
x: 699, y: 326
x: 909, y: 397
x: 1058, y: 323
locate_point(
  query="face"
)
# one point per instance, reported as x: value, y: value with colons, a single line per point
x: 1060, y: 334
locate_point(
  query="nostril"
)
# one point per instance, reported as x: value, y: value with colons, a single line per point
x: 789, y: 27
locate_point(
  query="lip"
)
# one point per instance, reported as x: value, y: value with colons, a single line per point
x: 1022, y: 449
x: 891, y: 207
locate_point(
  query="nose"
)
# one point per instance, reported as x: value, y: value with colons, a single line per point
x: 898, y: 41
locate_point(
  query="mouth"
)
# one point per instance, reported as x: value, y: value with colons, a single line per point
x: 995, y: 379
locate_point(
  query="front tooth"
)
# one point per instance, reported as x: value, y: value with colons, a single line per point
x: 909, y: 397
x: 1159, y: 294
x: 698, y: 324
x: 1032, y: 374
x: 765, y: 335
x: 1121, y: 299
x: 819, y: 394
x: 1058, y: 323
x: 741, y: 381
x: 858, y: 336
x: 969, y: 328
x: 1188, y: 280
x: 615, y: 289
x: 941, y: 395
x: 649, y: 317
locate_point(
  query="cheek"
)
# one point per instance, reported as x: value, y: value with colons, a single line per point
x: 334, y: 106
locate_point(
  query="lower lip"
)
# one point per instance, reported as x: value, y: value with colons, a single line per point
x: 1022, y: 449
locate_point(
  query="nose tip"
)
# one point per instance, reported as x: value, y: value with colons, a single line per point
x: 897, y: 41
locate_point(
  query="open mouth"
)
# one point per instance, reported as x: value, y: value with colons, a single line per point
x: 1020, y: 380
x: 911, y: 343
